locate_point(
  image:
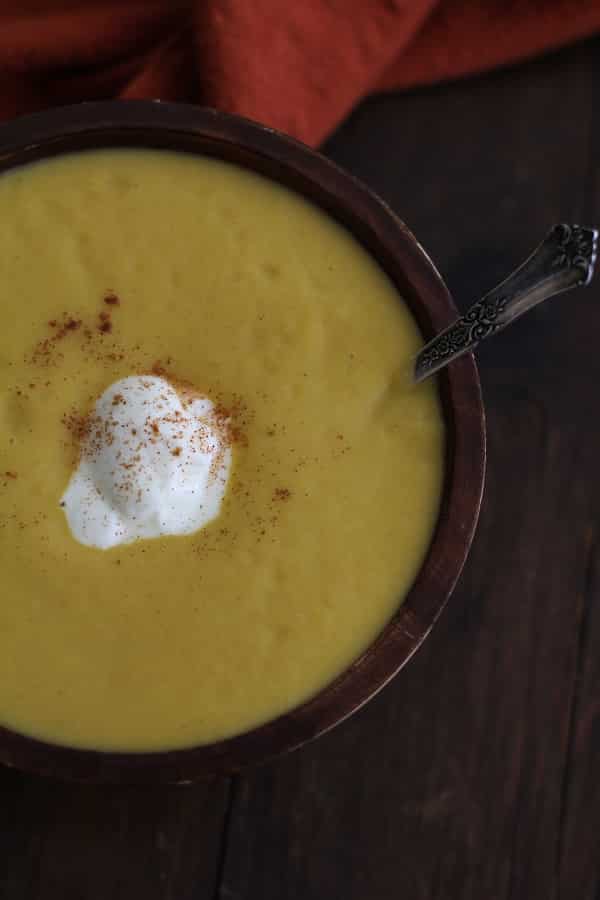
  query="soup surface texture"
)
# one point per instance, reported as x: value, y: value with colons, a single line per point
x: 124, y: 262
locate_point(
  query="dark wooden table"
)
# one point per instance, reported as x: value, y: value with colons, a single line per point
x: 476, y: 774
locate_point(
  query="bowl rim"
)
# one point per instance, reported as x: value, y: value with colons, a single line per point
x: 204, y: 131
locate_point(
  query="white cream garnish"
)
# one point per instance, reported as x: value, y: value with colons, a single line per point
x: 153, y: 462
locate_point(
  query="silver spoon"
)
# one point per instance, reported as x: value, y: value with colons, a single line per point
x: 564, y: 260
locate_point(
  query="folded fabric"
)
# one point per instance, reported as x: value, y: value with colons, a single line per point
x: 300, y: 67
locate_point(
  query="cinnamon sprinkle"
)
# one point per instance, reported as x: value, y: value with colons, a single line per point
x: 92, y: 432
x: 46, y: 352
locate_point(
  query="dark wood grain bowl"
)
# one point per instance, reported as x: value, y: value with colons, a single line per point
x: 207, y: 132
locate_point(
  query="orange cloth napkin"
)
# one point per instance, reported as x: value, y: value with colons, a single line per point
x: 298, y: 65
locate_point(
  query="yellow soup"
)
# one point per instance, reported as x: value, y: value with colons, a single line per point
x: 126, y: 262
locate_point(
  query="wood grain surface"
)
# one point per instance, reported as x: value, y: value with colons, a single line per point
x: 474, y: 776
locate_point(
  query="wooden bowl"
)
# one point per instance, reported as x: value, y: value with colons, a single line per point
x: 206, y: 132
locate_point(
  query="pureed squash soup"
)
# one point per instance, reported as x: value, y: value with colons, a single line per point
x: 175, y: 325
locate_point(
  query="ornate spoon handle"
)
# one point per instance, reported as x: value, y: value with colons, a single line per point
x: 564, y: 260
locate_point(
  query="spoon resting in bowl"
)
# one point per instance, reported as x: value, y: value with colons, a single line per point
x: 564, y: 260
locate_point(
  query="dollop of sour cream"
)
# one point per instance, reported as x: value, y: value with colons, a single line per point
x: 154, y: 461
